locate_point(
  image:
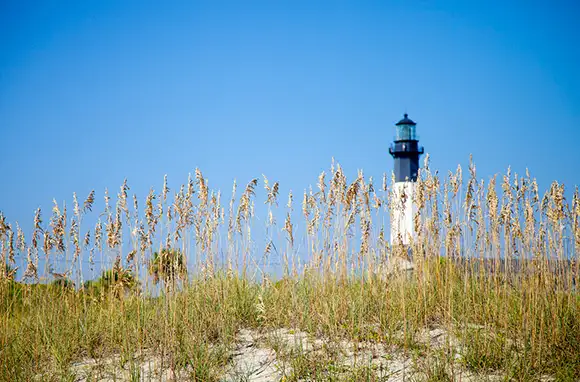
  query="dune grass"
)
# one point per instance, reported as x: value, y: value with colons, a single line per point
x: 495, y: 266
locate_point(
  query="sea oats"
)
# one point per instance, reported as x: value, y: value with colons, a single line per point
x: 11, y: 258
x: 290, y: 199
x: 98, y: 243
x: 461, y: 278
x: 20, y: 241
x: 31, y: 271
x: 88, y: 203
x: 37, y: 228
x: 245, y: 205
x: 150, y: 216
x: 288, y: 228
x: 3, y: 226
x: 165, y: 189
x: 305, y: 209
x: 48, y: 243
x: 272, y: 192
x: 384, y: 187
x: 351, y: 194
x: 76, y: 208
x: 131, y: 256
x: 469, y: 204
x: 202, y: 187
x: 231, y: 215
x: 74, y: 235
x: 322, y: 186
x: 87, y: 239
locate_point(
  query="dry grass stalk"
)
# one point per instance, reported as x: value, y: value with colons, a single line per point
x: 493, y: 255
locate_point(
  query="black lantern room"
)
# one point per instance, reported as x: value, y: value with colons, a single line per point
x: 406, y: 150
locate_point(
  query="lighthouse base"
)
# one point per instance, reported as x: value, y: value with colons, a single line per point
x: 396, y: 266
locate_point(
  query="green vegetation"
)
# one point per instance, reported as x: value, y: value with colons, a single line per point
x: 116, y: 282
x: 167, y: 265
x: 504, y: 296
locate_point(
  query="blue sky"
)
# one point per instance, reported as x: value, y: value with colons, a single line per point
x: 92, y: 92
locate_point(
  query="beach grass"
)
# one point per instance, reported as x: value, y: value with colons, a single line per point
x: 494, y: 268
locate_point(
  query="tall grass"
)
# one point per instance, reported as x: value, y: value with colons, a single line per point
x: 495, y: 264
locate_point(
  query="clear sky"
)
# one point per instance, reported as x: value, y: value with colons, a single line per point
x: 92, y: 92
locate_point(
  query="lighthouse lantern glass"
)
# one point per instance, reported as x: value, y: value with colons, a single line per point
x: 405, y: 132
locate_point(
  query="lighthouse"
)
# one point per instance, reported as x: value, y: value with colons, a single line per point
x: 405, y: 151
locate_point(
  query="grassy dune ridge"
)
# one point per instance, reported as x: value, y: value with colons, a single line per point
x: 495, y: 267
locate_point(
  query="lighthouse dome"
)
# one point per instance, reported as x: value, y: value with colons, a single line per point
x: 406, y: 121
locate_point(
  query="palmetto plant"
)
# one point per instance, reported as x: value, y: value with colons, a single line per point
x: 167, y: 265
x: 117, y: 280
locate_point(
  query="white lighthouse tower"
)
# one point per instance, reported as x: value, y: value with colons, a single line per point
x: 406, y: 151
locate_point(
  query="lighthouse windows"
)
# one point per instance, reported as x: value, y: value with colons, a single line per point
x: 405, y: 132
